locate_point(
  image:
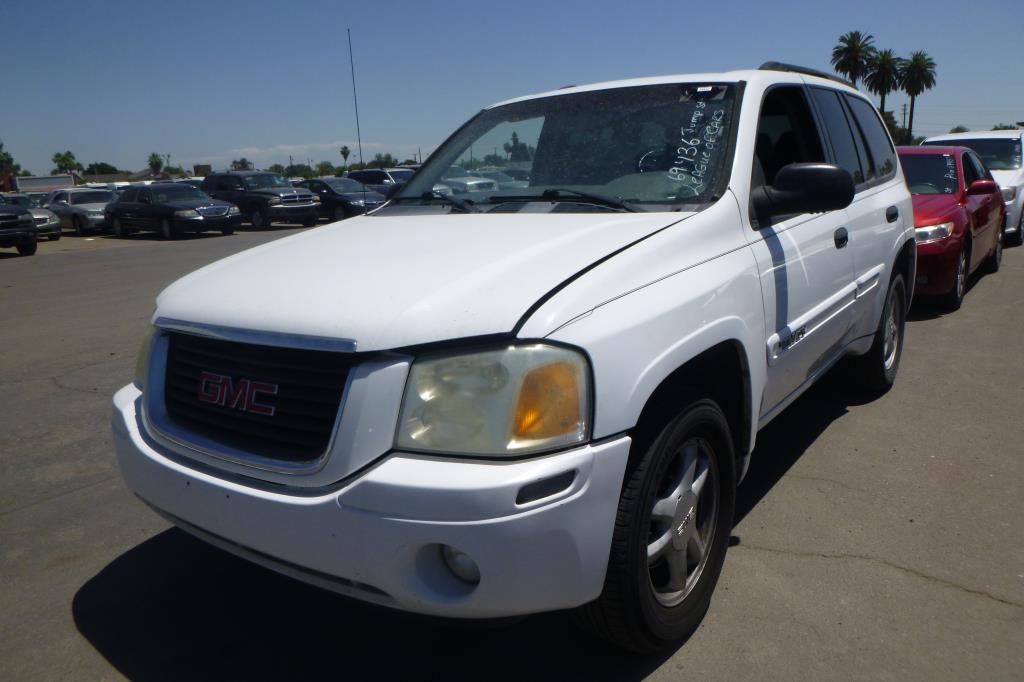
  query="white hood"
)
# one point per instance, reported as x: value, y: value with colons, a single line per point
x: 389, y: 282
x: 1008, y: 178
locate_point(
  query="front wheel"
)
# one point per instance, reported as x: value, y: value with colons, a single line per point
x: 259, y: 219
x: 118, y: 228
x: 1017, y: 238
x: 310, y: 222
x: 54, y: 237
x: 954, y: 298
x: 671, y: 533
x: 166, y: 231
x: 28, y: 249
x: 79, y: 228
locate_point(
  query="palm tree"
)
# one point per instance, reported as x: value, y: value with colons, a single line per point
x: 345, y: 151
x: 851, y: 56
x: 918, y: 75
x: 883, y: 75
x: 155, y: 163
x: 65, y: 162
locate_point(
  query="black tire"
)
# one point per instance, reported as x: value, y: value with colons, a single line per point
x: 166, y: 231
x: 118, y: 228
x: 875, y: 370
x: 76, y: 222
x: 310, y: 222
x: 995, y: 259
x: 28, y: 249
x: 1017, y: 238
x: 227, y: 231
x: 954, y: 298
x: 634, y: 611
x: 259, y: 219
x: 339, y: 214
x: 54, y: 237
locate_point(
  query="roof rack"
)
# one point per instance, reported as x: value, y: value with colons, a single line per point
x: 780, y: 66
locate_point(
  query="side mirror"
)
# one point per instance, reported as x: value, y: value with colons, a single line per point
x: 982, y: 187
x: 804, y: 188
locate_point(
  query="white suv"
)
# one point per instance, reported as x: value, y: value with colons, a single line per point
x: 545, y: 397
x: 1001, y: 150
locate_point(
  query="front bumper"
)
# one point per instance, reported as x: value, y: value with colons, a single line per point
x: 13, y: 236
x: 48, y: 229
x: 936, y: 266
x: 294, y: 214
x: 204, y: 223
x: 95, y: 221
x: 377, y: 537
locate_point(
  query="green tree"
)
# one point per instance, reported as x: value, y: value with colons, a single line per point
x: 958, y: 129
x: 276, y: 168
x: 918, y: 75
x: 100, y: 168
x: 7, y: 165
x: 883, y: 74
x: 344, y: 151
x: 298, y: 170
x: 155, y: 162
x: 382, y: 161
x: 853, y: 54
x: 325, y: 168
x: 1004, y: 126
x: 174, y: 170
x: 241, y: 164
x: 64, y: 162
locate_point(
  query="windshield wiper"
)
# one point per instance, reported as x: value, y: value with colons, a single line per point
x: 564, y: 194
x: 459, y: 204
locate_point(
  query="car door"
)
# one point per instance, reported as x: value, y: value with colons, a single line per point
x: 321, y: 189
x: 59, y: 205
x: 987, y: 216
x: 879, y: 215
x: 805, y: 267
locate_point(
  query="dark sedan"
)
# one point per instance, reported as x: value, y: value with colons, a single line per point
x: 342, y: 198
x: 171, y: 209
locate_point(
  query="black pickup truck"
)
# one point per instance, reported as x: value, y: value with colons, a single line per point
x: 264, y: 198
x: 17, y: 229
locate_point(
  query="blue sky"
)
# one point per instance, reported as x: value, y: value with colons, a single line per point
x: 207, y: 82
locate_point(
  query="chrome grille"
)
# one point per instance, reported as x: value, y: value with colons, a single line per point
x: 213, y: 211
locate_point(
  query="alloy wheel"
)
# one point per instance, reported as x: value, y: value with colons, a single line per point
x: 682, y: 523
x: 891, y: 345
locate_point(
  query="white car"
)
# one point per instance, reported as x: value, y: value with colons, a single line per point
x: 1001, y: 152
x: 543, y: 401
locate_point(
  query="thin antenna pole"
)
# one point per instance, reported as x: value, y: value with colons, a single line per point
x: 355, y: 98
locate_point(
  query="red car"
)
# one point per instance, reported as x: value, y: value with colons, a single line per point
x: 958, y: 216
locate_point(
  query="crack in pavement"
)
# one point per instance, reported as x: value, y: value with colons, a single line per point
x: 883, y: 562
x: 70, y: 491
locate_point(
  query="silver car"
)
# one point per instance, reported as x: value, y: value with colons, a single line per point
x: 80, y: 208
x: 47, y: 222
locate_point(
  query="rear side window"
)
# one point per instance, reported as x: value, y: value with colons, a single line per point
x: 838, y: 128
x: 979, y: 167
x: 883, y: 155
x: 970, y: 170
x: 129, y: 195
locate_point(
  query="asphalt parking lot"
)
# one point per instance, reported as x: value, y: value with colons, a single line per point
x: 875, y: 539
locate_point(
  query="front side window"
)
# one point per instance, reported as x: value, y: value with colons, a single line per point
x: 930, y: 173
x: 785, y: 134
x: 646, y: 148
x: 185, y: 193
x: 345, y: 185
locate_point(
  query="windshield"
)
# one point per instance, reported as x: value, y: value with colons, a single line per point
x: 997, y: 153
x: 345, y: 185
x: 265, y: 180
x: 22, y: 201
x: 930, y: 173
x: 183, y: 193
x: 401, y: 175
x: 648, y: 147
x: 98, y: 197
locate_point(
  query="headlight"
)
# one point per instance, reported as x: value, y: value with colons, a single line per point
x: 95, y: 211
x: 273, y: 201
x: 315, y: 199
x: 1009, y: 193
x: 142, y: 360
x: 358, y: 202
x: 187, y: 213
x: 933, y: 233
x: 513, y: 401
x: 234, y: 211
x: 26, y: 218
x: 52, y: 219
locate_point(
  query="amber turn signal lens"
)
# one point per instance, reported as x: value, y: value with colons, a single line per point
x: 549, y: 402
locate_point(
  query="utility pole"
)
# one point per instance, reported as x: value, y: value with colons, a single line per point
x: 355, y: 99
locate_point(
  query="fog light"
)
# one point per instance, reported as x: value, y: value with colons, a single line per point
x: 459, y: 563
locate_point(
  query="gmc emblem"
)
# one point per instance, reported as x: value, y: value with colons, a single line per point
x: 219, y: 389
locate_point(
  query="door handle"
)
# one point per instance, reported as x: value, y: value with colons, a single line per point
x: 842, y: 237
x: 891, y: 214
